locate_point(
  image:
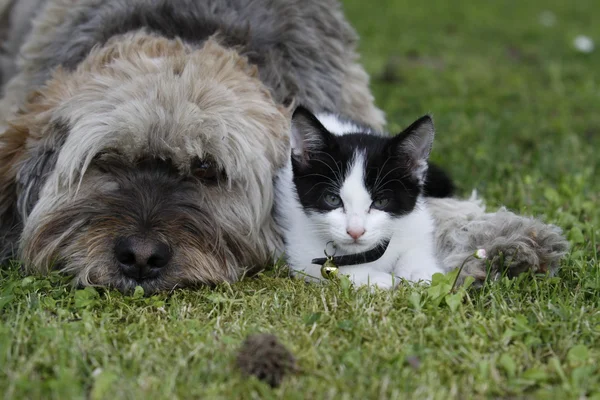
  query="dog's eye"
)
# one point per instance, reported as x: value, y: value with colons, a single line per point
x: 207, y: 171
x: 101, y: 162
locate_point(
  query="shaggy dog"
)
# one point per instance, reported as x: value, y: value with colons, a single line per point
x: 139, y: 139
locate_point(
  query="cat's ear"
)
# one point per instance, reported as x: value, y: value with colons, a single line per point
x: 308, y: 134
x: 414, y: 146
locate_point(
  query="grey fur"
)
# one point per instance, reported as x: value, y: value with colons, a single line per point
x: 513, y: 243
x: 36, y: 169
x: 15, y: 24
x: 305, y: 50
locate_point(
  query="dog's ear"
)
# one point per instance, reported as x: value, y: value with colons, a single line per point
x: 413, y: 145
x: 308, y: 135
x: 10, y: 231
x: 37, y: 166
x: 26, y: 131
x: 12, y: 148
x: 23, y: 173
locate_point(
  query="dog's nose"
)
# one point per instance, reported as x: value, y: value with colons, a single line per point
x: 141, y: 258
x: 355, y: 233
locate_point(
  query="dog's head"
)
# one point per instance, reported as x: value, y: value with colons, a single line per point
x: 152, y: 164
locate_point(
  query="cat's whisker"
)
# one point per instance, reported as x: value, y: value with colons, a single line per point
x: 316, y: 185
x: 333, y: 182
x: 377, y: 178
x: 338, y: 174
x: 399, y: 181
x: 376, y: 187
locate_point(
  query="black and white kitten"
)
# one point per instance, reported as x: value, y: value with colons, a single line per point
x: 347, y: 184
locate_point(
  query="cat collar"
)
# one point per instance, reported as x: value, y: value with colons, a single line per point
x: 353, y: 259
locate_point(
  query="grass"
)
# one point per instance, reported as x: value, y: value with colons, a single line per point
x: 516, y: 109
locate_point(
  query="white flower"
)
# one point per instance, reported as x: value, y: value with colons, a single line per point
x: 547, y: 18
x: 97, y: 372
x: 584, y: 44
x: 480, y: 254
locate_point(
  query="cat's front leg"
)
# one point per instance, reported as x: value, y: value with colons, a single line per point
x: 417, y: 266
x: 361, y: 276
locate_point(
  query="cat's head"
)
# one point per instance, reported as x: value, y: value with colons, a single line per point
x: 355, y: 187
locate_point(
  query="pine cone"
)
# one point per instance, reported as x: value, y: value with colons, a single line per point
x: 263, y: 356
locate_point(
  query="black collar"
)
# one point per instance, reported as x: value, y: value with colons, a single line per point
x: 358, y: 258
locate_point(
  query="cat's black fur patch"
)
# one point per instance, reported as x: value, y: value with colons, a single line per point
x: 323, y: 166
x: 438, y: 183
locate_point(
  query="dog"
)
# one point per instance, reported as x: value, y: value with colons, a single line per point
x: 139, y: 139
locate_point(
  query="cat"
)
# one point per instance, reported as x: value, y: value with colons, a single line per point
x: 351, y: 186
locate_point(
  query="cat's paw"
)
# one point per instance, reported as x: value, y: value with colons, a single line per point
x: 381, y: 280
x: 420, y: 272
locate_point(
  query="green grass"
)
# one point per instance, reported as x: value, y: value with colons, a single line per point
x: 516, y: 109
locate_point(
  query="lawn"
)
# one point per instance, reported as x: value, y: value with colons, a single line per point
x: 517, y: 113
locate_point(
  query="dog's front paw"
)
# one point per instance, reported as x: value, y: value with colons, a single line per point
x: 514, y: 244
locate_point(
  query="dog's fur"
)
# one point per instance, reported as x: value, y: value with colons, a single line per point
x: 15, y: 22
x: 306, y: 52
x: 116, y: 109
x: 513, y: 243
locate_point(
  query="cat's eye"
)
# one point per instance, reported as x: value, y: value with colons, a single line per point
x: 206, y: 170
x: 333, y: 200
x: 380, y: 204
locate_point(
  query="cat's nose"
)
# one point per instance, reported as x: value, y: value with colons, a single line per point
x: 355, y: 233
